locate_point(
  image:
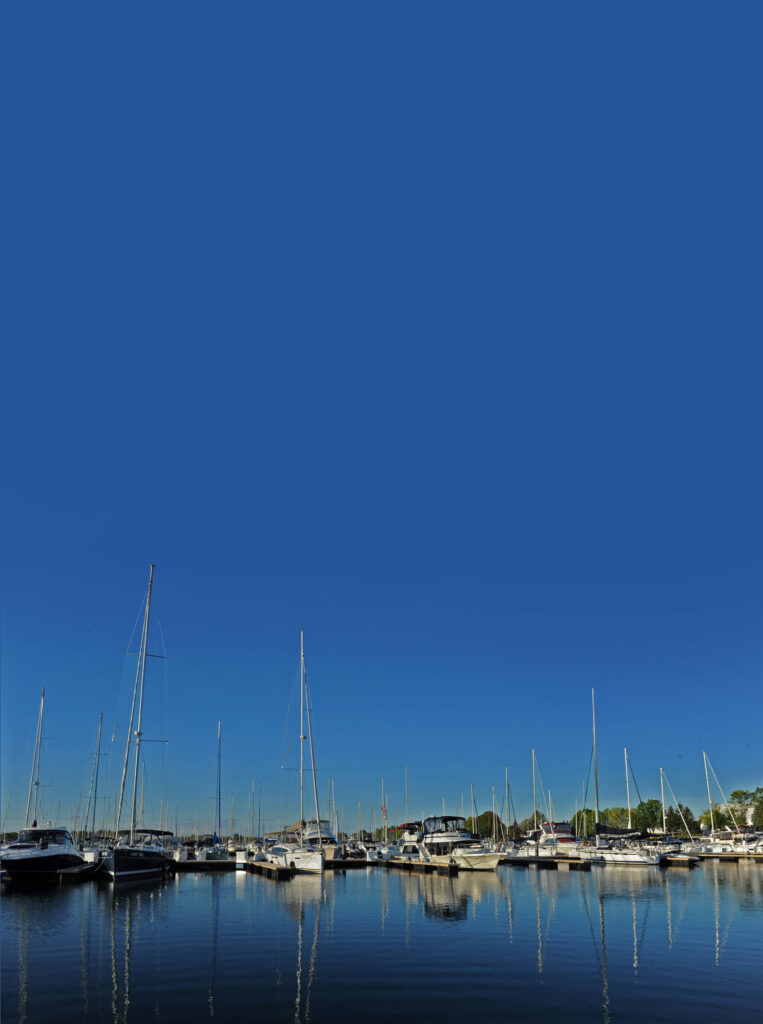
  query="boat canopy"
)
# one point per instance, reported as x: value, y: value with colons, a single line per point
x: 146, y: 831
x: 444, y: 823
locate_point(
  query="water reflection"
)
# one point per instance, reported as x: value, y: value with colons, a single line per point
x: 448, y: 898
x: 125, y: 904
x: 304, y: 898
x: 215, y: 945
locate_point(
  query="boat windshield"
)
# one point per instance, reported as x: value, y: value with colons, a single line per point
x: 44, y: 835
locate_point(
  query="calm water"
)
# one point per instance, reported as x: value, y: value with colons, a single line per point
x: 615, y: 944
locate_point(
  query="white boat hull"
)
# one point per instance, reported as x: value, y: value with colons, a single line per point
x: 464, y: 861
x: 309, y: 861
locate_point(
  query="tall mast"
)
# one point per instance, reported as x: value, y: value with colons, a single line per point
x: 535, y: 802
x: 312, y: 754
x: 301, y: 729
x: 94, y: 777
x: 384, y: 814
x: 34, y: 778
x: 218, y: 799
x: 627, y: 786
x: 595, y: 761
x: 140, y: 678
x: 709, y: 795
x: 662, y: 792
x: 406, y: 792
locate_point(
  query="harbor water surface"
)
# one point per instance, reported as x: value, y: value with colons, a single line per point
x: 612, y: 944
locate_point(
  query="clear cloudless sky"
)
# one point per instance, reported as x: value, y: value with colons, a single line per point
x: 432, y: 330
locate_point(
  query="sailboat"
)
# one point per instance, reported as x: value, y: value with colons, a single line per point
x: 622, y: 852
x: 215, y: 850
x: 138, y: 851
x: 295, y: 852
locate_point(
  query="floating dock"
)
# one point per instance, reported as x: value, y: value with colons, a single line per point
x: 188, y: 866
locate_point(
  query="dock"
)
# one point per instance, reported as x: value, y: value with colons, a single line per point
x: 732, y: 858
x: 551, y: 863
x: 277, y: 872
x: 189, y: 866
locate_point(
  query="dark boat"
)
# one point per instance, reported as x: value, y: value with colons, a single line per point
x: 39, y: 854
x: 146, y: 853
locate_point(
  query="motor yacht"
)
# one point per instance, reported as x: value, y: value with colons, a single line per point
x: 446, y: 841
x: 40, y: 853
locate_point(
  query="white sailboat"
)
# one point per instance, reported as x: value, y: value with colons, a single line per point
x: 295, y: 852
x: 216, y: 850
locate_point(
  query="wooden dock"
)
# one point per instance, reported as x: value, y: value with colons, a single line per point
x: 422, y: 866
x: 275, y: 871
x: 732, y: 858
x: 551, y: 863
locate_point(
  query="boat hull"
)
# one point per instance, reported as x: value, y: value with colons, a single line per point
x: 467, y: 861
x: 132, y: 862
x: 309, y: 861
x: 42, y: 866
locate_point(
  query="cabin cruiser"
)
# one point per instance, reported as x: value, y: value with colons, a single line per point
x: 40, y: 853
x: 297, y: 857
x: 144, y: 852
x: 408, y: 842
x: 446, y: 841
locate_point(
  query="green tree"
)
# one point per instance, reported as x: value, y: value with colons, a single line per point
x: 720, y: 818
x: 648, y: 815
x: 584, y: 823
x: 747, y: 805
x: 616, y: 817
x: 485, y: 825
x: 674, y: 822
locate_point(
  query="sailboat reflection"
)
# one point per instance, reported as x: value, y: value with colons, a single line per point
x: 305, y: 894
x: 125, y: 907
x: 215, y: 880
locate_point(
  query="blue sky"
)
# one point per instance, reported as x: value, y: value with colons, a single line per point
x: 431, y: 331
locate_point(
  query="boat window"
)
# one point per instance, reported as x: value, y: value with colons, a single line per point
x: 38, y: 835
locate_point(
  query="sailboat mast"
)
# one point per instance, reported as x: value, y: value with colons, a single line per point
x: 662, y: 793
x: 406, y: 792
x: 94, y: 776
x: 595, y: 761
x: 535, y: 802
x: 312, y: 757
x: 218, y: 799
x: 709, y: 795
x: 34, y: 778
x: 627, y: 787
x: 141, y: 677
x: 302, y: 729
